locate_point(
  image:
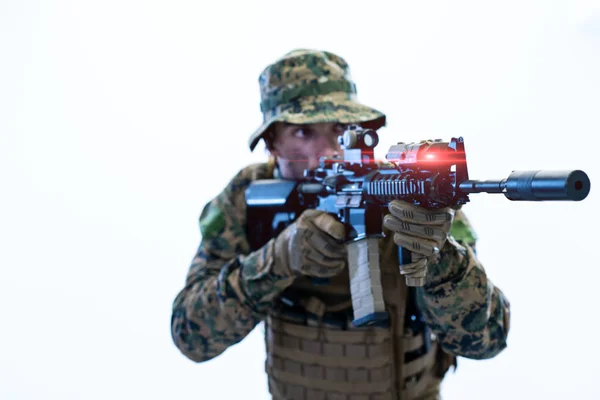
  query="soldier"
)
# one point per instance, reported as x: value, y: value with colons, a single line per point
x: 313, y: 351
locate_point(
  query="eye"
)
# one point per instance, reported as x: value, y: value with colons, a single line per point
x: 303, y: 133
x: 339, y: 128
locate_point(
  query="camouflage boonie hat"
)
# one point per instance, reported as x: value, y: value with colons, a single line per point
x: 308, y: 87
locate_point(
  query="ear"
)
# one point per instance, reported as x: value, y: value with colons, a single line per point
x: 269, y: 139
x: 270, y: 146
x: 273, y: 152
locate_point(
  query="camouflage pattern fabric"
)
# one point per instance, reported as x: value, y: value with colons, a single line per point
x: 310, y: 86
x: 229, y: 289
x: 469, y: 315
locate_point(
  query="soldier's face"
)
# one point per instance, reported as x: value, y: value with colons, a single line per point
x: 299, y: 147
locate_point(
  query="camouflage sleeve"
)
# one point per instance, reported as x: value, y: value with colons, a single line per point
x: 462, y: 306
x: 228, y: 288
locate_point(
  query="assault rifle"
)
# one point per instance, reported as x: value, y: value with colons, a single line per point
x: 357, y: 189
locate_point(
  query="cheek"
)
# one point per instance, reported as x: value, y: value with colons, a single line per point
x: 292, y: 151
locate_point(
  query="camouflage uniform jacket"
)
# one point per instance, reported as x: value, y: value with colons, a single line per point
x: 229, y: 289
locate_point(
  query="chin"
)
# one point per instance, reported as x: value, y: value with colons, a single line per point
x: 296, y: 175
x: 293, y: 171
x: 299, y: 171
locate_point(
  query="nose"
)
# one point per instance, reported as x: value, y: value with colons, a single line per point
x: 326, y: 146
x: 330, y: 146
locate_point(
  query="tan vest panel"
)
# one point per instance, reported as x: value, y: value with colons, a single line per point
x: 310, y: 358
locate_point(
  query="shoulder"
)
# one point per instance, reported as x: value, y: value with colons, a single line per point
x: 248, y: 174
x: 227, y: 211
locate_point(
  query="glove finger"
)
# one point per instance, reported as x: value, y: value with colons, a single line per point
x: 415, y: 270
x: 413, y: 266
x: 328, y: 224
x: 411, y: 213
x: 303, y: 257
x: 324, y: 244
x: 416, y: 244
x: 318, y: 266
x: 433, y: 232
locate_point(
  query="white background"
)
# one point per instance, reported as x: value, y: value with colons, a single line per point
x: 120, y: 119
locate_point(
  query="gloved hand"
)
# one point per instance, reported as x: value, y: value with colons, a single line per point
x: 421, y: 231
x: 313, y: 245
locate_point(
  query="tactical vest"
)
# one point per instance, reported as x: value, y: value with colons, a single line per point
x: 314, y: 352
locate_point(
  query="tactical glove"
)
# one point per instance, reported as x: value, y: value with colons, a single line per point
x: 421, y: 231
x: 313, y: 245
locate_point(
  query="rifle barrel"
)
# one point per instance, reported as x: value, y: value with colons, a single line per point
x: 538, y: 185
